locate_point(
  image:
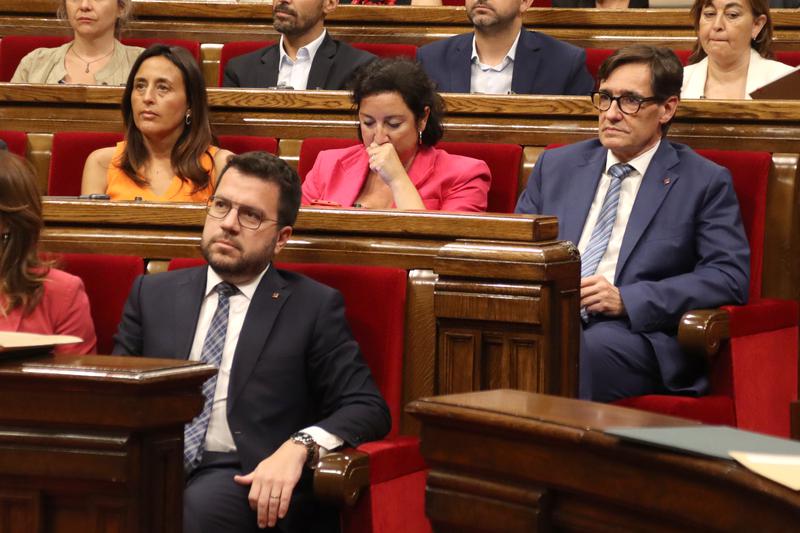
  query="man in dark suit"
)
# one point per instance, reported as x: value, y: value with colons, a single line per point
x: 306, y: 56
x: 501, y: 57
x: 291, y: 377
x: 658, y: 228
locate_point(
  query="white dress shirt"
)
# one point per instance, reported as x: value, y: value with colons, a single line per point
x: 218, y: 435
x: 627, y: 196
x: 294, y: 74
x: 492, y: 79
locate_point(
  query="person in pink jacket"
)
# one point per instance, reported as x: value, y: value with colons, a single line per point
x: 397, y: 166
x: 35, y: 298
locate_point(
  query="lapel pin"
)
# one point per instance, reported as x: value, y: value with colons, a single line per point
x: 667, y: 181
x: 275, y: 295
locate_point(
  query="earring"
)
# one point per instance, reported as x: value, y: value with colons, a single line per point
x: 4, y: 237
x: 188, y: 118
x: 420, y: 137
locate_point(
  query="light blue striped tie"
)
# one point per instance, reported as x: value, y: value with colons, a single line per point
x: 194, y: 433
x: 601, y: 233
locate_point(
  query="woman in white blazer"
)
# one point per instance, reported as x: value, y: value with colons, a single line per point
x: 731, y: 57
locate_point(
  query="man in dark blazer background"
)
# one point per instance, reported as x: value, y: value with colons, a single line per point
x: 306, y: 56
x: 291, y: 377
x: 675, y: 240
x: 502, y: 57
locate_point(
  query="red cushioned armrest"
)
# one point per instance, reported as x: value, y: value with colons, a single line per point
x: 762, y: 316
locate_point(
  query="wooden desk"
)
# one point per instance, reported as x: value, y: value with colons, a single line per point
x: 95, y: 443
x: 511, y: 461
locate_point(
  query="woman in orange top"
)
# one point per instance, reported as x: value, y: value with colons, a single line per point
x: 167, y: 154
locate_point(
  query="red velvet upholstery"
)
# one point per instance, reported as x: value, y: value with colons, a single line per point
x: 596, y: 56
x: 237, y: 48
x: 754, y: 378
x: 239, y: 144
x: 192, y: 46
x: 17, y: 141
x: 108, y: 280
x: 312, y: 146
x: 504, y: 161
x: 388, y: 49
x: 14, y: 47
x: 790, y: 57
x: 395, y: 499
x: 68, y: 156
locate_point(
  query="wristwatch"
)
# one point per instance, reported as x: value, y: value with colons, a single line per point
x: 312, y: 448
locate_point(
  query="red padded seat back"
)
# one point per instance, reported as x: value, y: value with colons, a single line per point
x: 237, y: 48
x: 108, y: 280
x: 750, y: 171
x: 504, y: 162
x: 17, y: 141
x: 239, y: 144
x: 790, y: 57
x: 375, y: 306
x: 596, y: 56
x: 388, y: 49
x: 14, y: 47
x: 192, y: 46
x: 312, y: 146
x: 68, y: 156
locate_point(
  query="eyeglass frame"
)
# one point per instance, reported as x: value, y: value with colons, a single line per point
x: 233, y: 205
x: 617, y: 99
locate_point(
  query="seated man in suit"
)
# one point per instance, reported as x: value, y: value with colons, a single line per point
x: 501, y: 57
x: 306, y: 56
x: 657, y: 225
x: 291, y: 377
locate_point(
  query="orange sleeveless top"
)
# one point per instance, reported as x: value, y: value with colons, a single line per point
x: 121, y: 187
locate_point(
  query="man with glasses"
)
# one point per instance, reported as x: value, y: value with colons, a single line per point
x: 658, y: 228
x: 291, y: 378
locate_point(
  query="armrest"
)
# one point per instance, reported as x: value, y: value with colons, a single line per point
x: 701, y: 331
x: 341, y: 476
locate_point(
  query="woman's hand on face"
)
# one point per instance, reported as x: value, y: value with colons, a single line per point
x: 384, y: 160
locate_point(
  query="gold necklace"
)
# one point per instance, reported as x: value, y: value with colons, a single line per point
x: 89, y: 62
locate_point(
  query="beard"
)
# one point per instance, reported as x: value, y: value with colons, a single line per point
x: 294, y: 25
x: 241, y: 267
x: 491, y: 21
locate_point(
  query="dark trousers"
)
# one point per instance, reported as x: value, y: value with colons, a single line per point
x: 214, y: 503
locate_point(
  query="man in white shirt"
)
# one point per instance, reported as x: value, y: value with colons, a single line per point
x: 291, y: 384
x: 306, y: 57
x: 501, y: 57
x: 658, y: 228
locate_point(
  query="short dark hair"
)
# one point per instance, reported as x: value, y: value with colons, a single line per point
x: 272, y: 169
x: 666, y: 70
x: 195, y: 138
x: 408, y: 79
x: 761, y: 44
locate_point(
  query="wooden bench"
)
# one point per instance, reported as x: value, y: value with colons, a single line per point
x: 531, y: 121
x: 215, y: 23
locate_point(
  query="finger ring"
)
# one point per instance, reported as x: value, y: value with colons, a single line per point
x: 274, y: 497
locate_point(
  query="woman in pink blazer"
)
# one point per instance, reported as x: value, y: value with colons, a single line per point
x: 397, y: 166
x: 35, y: 298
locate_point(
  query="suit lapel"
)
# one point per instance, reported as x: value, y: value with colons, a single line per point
x: 268, y: 300
x: 461, y: 65
x: 526, y: 63
x: 191, y: 291
x: 321, y: 66
x: 656, y: 183
x: 268, y: 76
x: 580, y: 193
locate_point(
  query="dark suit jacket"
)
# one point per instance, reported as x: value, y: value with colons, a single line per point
x: 542, y: 65
x: 296, y: 363
x: 684, y: 246
x: 333, y: 66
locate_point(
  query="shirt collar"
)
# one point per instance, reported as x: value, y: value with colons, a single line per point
x: 510, y: 55
x: 639, y: 163
x: 311, y: 48
x: 247, y: 289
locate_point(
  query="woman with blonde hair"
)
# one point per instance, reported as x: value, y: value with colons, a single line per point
x: 93, y: 57
x: 34, y: 297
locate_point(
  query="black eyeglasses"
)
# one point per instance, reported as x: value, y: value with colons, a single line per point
x: 627, y: 103
x: 250, y: 218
